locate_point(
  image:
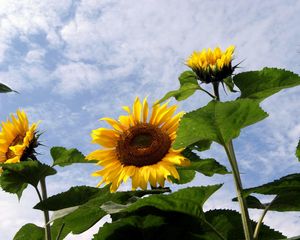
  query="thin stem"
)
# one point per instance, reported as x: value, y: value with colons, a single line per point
x: 60, y: 231
x: 259, y: 223
x: 237, y: 179
x: 46, y: 213
x: 239, y: 189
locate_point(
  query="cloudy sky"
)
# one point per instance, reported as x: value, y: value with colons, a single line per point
x: 74, y: 62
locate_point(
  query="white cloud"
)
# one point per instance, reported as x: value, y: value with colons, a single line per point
x: 102, y: 54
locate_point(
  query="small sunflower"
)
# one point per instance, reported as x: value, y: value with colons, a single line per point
x: 138, y: 147
x: 17, y: 139
x: 212, y: 65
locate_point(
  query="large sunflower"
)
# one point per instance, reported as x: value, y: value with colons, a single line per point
x: 17, y: 139
x: 138, y: 147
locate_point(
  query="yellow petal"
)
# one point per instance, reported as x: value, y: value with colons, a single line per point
x: 145, y: 110
x: 137, y: 109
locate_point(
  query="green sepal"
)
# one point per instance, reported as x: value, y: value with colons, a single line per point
x: 264, y: 83
x: 229, y: 84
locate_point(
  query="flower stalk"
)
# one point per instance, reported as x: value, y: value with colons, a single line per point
x: 237, y: 179
x: 42, y: 197
x: 46, y: 213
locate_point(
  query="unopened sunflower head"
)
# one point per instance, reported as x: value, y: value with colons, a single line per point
x: 138, y: 147
x: 212, y: 65
x: 18, y: 140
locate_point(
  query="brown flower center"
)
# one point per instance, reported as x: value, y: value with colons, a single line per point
x: 143, y: 144
x: 17, y: 140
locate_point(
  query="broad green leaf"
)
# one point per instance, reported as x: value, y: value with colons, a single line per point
x: 30, y: 230
x: 5, y: 89
x: 289, y: 183
x: 158, y: 225
x: 208, y: 166
x: 283, y: 202
x: 188, y: 201
x: 264, y: 83
x: 15, y: 176
x: 253, y: 202
x: 200, y: 146
x: 90, y: 210
x: 188, y: 86
x: 63, y: 157
x: 298, y: 151
x: 229, y: 224
x: 73, y: 197
x: 185, y: 176
x: 286, y: 189
x: 218, y: 121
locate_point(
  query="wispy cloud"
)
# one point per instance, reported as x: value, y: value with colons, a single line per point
x: 77, y: 61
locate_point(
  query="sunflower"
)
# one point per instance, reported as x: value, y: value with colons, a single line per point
x: 17, y: 139
x: 212, y: 65
x: 138, y: 147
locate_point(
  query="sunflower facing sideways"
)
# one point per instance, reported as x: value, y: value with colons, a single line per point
x: 138, y: 147
x: 17, y: 139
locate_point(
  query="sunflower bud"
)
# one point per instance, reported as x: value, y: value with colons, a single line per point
x: 212, y: 65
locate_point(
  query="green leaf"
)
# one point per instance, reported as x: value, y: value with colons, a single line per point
x: 283, y: 202
x: 29, y: 229
x: 289, y: 183
x: 185, y: 176
x: 188, y: 86
x: 298, y: 151
x: 200, y: 146
x: 229, y: 224
x: 264, y: 83
x: 253, y: 202
x: 286, y: 189
x: 63, y: 157
x: 15, y: 176
x: 208, y: 166
x: 188, y: 201
x: 73, y: 197
x: 156, y: 224
x: 89, y: 201
x: 218, y: 121
x: 5, y: 89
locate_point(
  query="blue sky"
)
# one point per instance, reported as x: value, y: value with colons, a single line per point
x: 74, y: 62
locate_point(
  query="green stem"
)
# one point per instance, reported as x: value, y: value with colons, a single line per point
x: 237, y: 179
x: 259, y: 223
x: 46, y: 213
x: 239, y: 190
x: 216, y: 90
x: 60, y: 231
